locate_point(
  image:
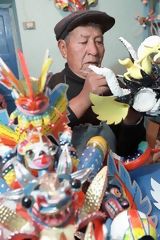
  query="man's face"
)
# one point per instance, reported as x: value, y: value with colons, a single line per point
x: 84, y: 46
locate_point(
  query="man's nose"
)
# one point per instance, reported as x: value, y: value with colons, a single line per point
x: 92, y: 48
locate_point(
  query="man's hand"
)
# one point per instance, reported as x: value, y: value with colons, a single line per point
x: 94, y: 83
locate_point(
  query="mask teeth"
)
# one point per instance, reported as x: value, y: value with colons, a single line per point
x: 95, y: 192
x: 10, y: 219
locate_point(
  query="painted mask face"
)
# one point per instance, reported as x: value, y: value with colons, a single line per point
x: 32, y: 106
x: 40, y: 154
x: 39, y: 159
x: 114, y: 202
x: 37, y: 151
x: 51, y: 202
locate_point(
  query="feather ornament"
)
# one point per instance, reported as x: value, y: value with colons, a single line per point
x: 108, y: 109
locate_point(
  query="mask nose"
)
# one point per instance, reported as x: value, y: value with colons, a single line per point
x: 44, y: 159
x: 124, y: 203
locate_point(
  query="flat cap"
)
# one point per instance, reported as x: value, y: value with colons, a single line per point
x: 81, y: 18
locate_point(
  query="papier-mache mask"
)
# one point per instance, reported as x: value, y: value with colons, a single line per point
x: 36, y: 107
x: 140, y: 84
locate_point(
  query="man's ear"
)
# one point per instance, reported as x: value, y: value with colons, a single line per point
x: 63, y: 48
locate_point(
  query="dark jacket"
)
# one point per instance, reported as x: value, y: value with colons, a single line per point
x: 127, y: 136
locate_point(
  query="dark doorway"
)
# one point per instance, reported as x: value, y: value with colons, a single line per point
x: 7, y: 52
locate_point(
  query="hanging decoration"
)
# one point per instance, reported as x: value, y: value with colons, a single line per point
x: 74, y: 5
x: 152, y: 20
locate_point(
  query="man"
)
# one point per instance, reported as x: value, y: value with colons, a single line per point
x: 80, y: 41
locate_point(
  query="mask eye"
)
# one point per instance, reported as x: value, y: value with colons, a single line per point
x: 42, y: 153
x: 41, y: 104
x: 116, y: 192
x: 75, y: 184
x: 29, y: 154
x: 27, y: 201
x: 52, y: 150
x: 24, y: 106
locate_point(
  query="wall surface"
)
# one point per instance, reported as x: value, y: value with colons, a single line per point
x: 46, y: 15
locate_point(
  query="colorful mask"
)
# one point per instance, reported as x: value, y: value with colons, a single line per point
x: 131, y: 193
x: 114, y: 202
x: 141, y: 84
x: 37, y: 151
x: 36, y: 107
x: 51, y: 202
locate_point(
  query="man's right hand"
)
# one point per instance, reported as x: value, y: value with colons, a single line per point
x: 94, y: 83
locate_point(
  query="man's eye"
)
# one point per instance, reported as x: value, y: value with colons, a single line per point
x: 99, y: 42
x: 83, y: 42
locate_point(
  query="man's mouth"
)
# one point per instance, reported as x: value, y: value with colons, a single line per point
x: 93, y: 63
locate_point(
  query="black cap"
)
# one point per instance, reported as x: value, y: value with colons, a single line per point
x: 80, y: 18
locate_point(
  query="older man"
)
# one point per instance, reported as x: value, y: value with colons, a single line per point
x: 80, y: 41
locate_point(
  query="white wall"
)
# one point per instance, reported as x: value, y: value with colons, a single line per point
x: 46, y: 15
x: 125, y: 13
